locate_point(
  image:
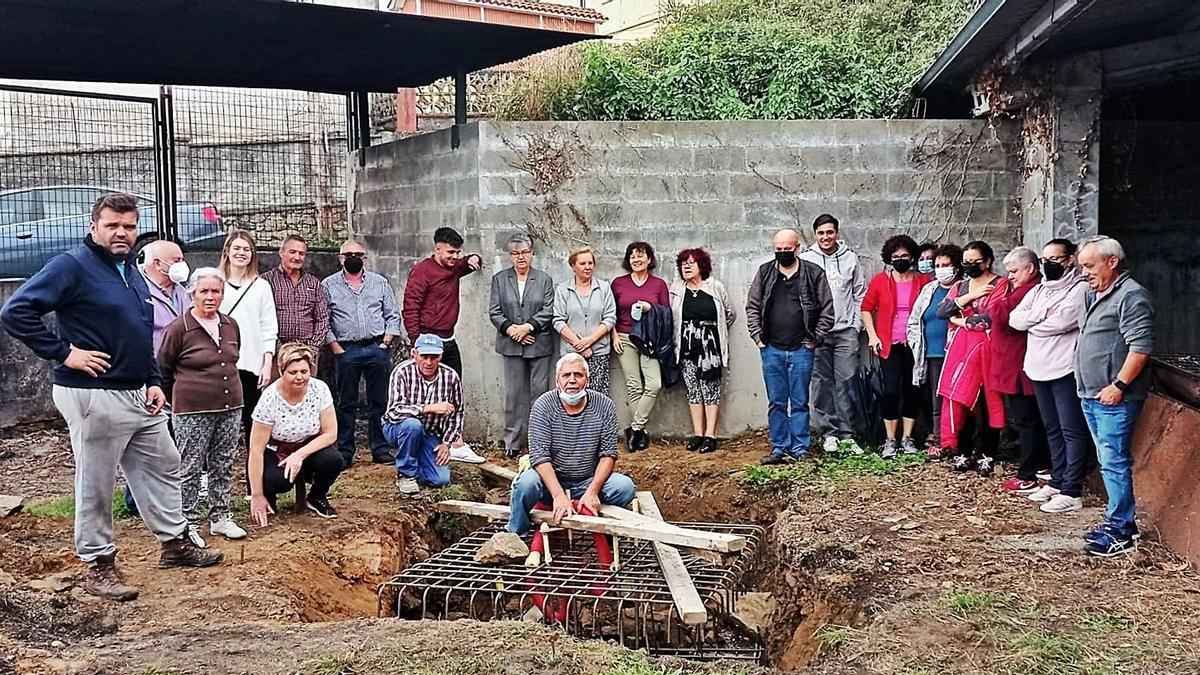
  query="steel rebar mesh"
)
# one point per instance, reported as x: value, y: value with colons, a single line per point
x: 631, y: 604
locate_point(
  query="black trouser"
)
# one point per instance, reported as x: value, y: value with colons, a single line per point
x: 451, y: 356
x: 250, y: 395
x: 1023, y: 416
x: 901, y: 398
x: 933, y: 375
x: 320, y: 468
x: 1067, y: 433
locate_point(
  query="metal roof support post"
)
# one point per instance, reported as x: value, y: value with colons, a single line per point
x: 361, y: 107
x: 460, y: 105
x: 164, y: 166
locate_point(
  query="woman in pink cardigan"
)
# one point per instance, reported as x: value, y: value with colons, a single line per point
x: 965, y: 386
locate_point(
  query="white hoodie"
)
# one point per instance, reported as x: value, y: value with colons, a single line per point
x: 846, y: 281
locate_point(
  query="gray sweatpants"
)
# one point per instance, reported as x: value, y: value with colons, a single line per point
x: 111, y: 427
x: 834, y: 364
x: 524, y: 381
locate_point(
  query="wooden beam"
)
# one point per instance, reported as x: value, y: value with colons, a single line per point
x: 714, y: 557
x: 683, y: 591
x: 498, y: 472
x: 651, y: 531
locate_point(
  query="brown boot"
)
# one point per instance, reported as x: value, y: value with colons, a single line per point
x: 104, y: 580
x: 181, y: 552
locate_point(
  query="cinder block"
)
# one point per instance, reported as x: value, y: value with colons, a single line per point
x: 702, y: 188
x: 718, y: 159
x: 715, y: 215
x: 774, y: 159
x: 807, y: 133
x: 854, y: 186
x: 907, y: 185
x: 648, y: 188
x: 861, y: 132
x: 830, y: 158
x: 794, y: 185
x: 884, y: 213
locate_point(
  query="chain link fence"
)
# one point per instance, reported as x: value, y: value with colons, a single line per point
x: 269, y: 161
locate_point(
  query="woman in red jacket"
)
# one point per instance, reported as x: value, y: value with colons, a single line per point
x: 885, y: 311
x: 965, y: 385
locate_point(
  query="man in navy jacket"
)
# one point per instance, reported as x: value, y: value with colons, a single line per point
x: 108, y: 388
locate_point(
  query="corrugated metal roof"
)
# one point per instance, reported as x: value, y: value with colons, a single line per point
x: 1098, y: 25
x: 250, y: 43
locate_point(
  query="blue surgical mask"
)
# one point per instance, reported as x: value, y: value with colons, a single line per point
x: 572, y: 399
x: 925, y: 266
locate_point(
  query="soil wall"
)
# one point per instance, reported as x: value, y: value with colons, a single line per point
x: 1166, y: 454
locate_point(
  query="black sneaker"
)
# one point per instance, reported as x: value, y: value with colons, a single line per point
x: 778, y: 458
x: 962, y: 463
x: 639, y: 440
x: 321, y: 506
x: 707, y: 444
x: 1110, y: 545
x: 985, y: 466
x: 693, y: 444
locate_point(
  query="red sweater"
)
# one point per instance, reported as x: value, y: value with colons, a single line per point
x: 881, y: 302
x: 1007, y: 373
x: 431, y: 298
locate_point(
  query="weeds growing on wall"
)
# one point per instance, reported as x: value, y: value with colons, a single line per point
x: 748, y: 59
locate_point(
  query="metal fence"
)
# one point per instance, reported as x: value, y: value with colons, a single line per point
x: 201, y: 160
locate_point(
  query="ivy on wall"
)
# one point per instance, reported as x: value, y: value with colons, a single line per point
x: 748, y: 59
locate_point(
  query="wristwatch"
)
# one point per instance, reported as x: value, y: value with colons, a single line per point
x: 1120, y: 385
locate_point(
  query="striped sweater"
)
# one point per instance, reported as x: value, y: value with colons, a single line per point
x: 573, y: 444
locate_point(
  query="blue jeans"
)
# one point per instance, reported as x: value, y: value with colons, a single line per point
x: 1112, y: 429
x: 414, y: 452
x: 1066, y: 433
x: 787, y: 376
x: 528, y: 490
x: 375, y: 363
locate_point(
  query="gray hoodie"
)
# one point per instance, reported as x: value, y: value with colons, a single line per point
x: 846, y: 281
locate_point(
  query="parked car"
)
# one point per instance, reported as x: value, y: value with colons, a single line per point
x: 39, y: 223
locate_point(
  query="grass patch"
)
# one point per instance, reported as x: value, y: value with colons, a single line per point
x: 967, y: 602
x: 831, y: 469
x: 330, y: 664
x: 832, y: 636
x: 64, y: 507
x: 157, y: 670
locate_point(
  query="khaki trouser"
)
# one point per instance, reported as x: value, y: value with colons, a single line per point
x: 643, y: 380
x: 111, y: 427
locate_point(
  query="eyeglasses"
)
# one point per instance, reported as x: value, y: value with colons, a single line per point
x: 1060, y: 259
x: 354, y: 254
x: 521, y: 254
x: 901, y: 257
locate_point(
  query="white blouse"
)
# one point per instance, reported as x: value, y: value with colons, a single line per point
x: 255, y: 317
x: 293, y: 423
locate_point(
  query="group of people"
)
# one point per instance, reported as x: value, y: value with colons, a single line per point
x: 187, y: 363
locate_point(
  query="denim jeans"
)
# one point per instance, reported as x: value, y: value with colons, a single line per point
x: 1112, y: 430
x: 528, y: 489
x: 1066, y: 433
x: 414, y: 452
x: 373, y: 362
x: 787, y: 375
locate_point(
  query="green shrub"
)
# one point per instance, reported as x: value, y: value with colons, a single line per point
x: 748, y: 59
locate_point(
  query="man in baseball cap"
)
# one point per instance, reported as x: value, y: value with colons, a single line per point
x: 424, y: 418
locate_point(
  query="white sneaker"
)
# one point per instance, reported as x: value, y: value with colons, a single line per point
x: 193, y: 533
x: 1061, y: 503
x: 851, y: 446
x: 227, y: 528
x: 464, y: 453
x: 830, y: 445
x: 203, y: 493
x: 1044, y: 475
x: 407, y: 486
x: 1043, y: 494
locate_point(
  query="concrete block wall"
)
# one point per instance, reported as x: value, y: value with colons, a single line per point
x: 727, y: 186
x: 24, y: 378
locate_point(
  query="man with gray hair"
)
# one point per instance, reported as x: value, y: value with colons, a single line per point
x: 1116, y: 338
x: 522, y: 310
x: 572, y: 451
x: 363, y: 322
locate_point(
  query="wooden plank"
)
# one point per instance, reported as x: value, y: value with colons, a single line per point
x: 683, y: 591
x: 714, y: 557
x: 653, y: 531
x: 498, y: 472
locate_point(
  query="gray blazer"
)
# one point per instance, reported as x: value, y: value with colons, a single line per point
x: 507, y: 308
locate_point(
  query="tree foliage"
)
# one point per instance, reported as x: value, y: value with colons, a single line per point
x: 748, y: 59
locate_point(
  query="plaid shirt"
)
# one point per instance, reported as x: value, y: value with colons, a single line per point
x: 409, y: 392
x: 302, y: 308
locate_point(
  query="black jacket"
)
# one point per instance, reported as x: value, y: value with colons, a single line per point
x: 816, y: 300
x: 654, y: 336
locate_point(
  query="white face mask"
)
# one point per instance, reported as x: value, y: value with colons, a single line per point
x: 572, y: 399
x: 944, y: 275
x: 178, y: 272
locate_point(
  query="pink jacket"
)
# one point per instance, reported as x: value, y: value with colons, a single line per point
x: 968, y: 359
x: 1050, y: 314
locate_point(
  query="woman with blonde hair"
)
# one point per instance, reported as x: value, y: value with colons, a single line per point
x: 585, y: 312
x: 294, y: 437
x: 249, y: 302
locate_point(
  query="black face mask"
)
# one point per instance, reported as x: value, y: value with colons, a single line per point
x: 973, y: 270
x: 785, y: 258
x: 902, y: 265
x: 1053, y: 270
x: 353, y: 264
